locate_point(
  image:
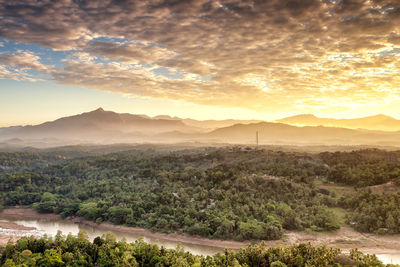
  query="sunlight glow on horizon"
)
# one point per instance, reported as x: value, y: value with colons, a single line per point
x: 201, y: 60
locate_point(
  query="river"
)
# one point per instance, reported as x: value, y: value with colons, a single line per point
x: 51, y: 226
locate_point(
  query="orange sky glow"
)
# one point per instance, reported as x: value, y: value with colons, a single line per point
x: 201, y: 59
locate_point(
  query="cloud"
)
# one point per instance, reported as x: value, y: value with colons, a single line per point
x: 132, y: 52
x: 16, y: 74
x: 24, y: 60
x: 260, y: 55
x: 19, y: 66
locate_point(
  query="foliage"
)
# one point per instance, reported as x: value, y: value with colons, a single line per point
x: 229, y: 193
x: 217, y: 193
x: 362, y: 167
x: 374, y: 213
x: 106, y: 251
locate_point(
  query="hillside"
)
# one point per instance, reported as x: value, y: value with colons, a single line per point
x: 207, y: 124
x: 269, y: 132
x: 214, y: 124
x: 378, y: 122
x: 97, y: 124
x: 107, y: 127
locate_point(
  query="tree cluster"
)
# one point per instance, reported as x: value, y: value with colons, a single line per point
x: 106, y: 251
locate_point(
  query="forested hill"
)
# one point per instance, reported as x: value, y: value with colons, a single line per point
x: 236, y: 193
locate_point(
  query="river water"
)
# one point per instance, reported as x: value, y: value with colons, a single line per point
x: 51, y: 226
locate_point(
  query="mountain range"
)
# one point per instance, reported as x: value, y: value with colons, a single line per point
x: 378, y: 122
x: 107, y: 127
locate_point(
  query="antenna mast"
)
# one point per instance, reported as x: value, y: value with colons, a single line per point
x: 257, y: 138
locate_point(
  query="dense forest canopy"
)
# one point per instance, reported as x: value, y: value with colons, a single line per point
x: 239, y: 193
x: 105, y: 251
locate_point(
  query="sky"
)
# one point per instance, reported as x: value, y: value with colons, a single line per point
x: 200, y: 59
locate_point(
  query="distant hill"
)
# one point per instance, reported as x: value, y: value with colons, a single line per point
x: 377, y: 122
x: 207, y: 124
x: 97, y: 124
x: 107, y: 127
x: 214, y: 124
x: 277, y: 133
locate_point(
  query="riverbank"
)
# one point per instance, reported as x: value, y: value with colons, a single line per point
x: 345, y: 238
x: 32, y: 214
x: 4, y: 238
x: 14, y: 226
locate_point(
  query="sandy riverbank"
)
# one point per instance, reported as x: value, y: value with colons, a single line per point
x: 4, y: 240
x: 345, y: 238
x: 28, y: 213
x: 32, y: 214
x: 14, y: 226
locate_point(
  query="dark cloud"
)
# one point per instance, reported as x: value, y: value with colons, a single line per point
x: 129, y: 52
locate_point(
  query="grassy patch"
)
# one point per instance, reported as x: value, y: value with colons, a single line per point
x: 338, y: 190
x: 340, y: 214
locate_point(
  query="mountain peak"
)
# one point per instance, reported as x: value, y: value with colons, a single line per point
x: 100, y: 109
x: 300, y: 117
